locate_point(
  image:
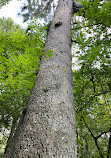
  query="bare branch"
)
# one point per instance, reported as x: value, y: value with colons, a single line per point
x: 95, y: 139
x: 101, y: 134
x: 80, y: 27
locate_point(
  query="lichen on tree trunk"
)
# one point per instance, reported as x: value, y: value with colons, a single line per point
x: 47, y: 127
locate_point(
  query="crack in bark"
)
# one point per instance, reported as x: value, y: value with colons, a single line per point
x: 38, y: 155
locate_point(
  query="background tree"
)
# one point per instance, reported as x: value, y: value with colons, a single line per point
x: 42, y: 9
x: 92, y: 80
x: 19, y: 62
x: 9, y: 25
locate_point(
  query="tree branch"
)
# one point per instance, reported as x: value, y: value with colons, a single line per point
x: 95, y: 138
x: 101, y: 134
x: 80, y: 27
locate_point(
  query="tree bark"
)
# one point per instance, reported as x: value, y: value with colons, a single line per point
x: 47, y: 126
x: 10, y: 140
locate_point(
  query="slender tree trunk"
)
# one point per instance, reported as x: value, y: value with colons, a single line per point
x: 47, y: 127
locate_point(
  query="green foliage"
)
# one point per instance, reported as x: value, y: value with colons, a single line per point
x: 3, y: 141
x: 9, y: 25
x: 92, y: 81
x: 19, y: 62
x: 92, y: 101
x: 42, y: 10
x: 3, y: 2
x: 97, y: 11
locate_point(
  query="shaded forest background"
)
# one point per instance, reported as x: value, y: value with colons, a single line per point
x: 20, y: 54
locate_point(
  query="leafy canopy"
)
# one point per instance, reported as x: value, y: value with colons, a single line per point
x: 19, y: 62
x: 92, y: 80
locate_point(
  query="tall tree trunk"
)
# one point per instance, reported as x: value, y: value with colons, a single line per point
x: 47, y: 127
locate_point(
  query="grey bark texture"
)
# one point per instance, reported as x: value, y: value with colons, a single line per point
x: 47, y: 126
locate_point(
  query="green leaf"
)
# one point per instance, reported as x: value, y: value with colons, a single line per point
x: 64, y: 69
